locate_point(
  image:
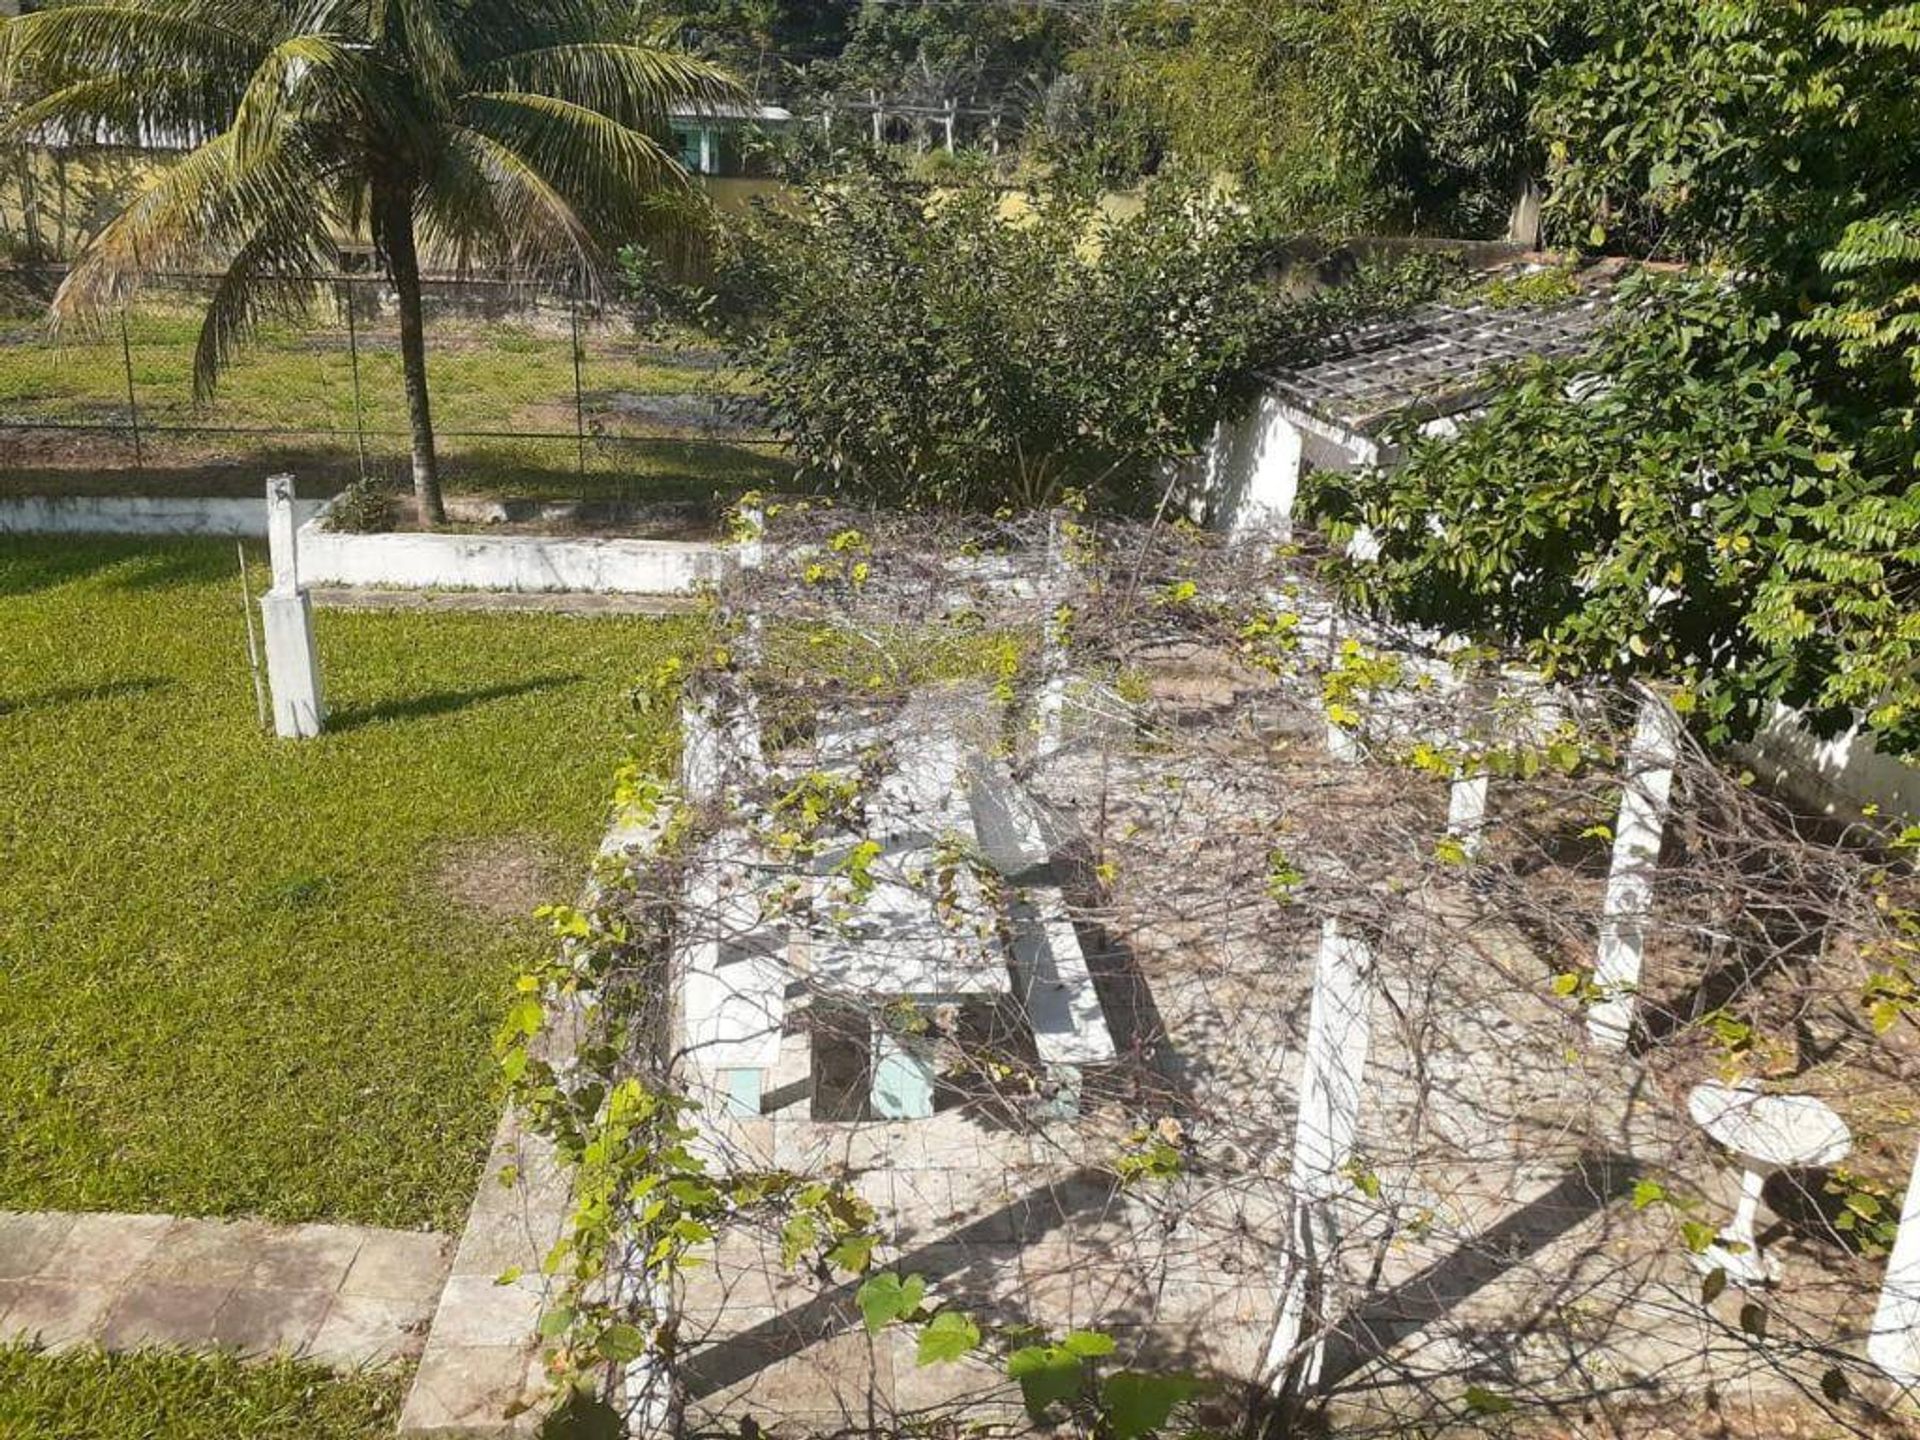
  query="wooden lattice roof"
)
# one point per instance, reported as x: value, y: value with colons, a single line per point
x: 1433, y: 361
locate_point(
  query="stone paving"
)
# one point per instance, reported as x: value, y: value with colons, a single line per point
x: 336, y: 1295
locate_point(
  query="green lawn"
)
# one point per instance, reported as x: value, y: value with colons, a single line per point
x: 249, y: 975
x: 489, y: 375
x: 187, y: 1397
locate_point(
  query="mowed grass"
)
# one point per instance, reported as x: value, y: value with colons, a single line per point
x: 503, y: 404
x: 247, y: 975
x: 188, y: 1397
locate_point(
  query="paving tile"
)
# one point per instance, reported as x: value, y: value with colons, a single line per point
x: 209, y: 1252
x: 55, y: 1315
x: 28, y: 1238
x: 364, y: 1330
x: 106, y: 1250
x: 398, y: 1265
x: 165, y: 1314
x: 304, y: 1257
x: 268, y: 1322
x: 496, y: 1241
x: 475, y: 1311
x: 460, y: 1388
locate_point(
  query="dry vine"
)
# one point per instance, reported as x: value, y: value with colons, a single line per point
x: 1236, y: 762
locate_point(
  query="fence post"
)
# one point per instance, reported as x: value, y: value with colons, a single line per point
x: 579, y: 394
x: 133, y: 403
x: 353, y: 356
x: 1050, y: 705
x: 1644, y: 802
x: 293, y: 664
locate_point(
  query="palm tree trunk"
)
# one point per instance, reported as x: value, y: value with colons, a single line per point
x: 403, y: 267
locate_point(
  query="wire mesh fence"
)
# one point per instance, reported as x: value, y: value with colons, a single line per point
x: 536, y: 392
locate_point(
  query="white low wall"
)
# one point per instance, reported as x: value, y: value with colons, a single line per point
x: 139, y: 515
x: 1840, y: 776
x: 506, y: 562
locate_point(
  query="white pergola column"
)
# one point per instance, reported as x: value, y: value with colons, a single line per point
x: 1338, y: 1031
x: 1051, y: 703
x: 293, y: 663
x: 1894, y: 1342
x: 1644, y: 804
x: 1467, y: 812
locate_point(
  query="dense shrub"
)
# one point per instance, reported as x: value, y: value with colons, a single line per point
x: 970, y: 348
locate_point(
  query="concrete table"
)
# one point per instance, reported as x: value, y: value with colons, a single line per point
x: 1765, y: 1133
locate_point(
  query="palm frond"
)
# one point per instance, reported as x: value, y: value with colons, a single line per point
x: 635, y: 84
x: 621, y: 183
x: 269, y: 277
x: 285, y: 82
x: 201, y: 210
x: 488, y: 197
x: 76, y: 41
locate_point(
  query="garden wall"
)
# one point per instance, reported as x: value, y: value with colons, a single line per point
x: 505, y: 562
x: 139, y: 515
x: 1840, y: 776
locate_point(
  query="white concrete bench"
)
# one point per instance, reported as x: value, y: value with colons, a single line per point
x: 1052, y: 980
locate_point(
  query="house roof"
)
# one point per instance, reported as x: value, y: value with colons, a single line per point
x: 1434, y: 361
x: 764, y: 114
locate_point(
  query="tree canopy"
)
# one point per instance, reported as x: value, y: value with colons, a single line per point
x: 1725, y: 493
x: 475, y: 128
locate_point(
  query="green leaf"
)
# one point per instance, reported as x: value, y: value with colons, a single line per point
x: 1698, y: 1235
x: 621, y: 1343
x: 1487, y: 1402
x: 1753, y: 1319
x: 1648, y: 1192
x: 1713, y: 1286
x: 885, y: 1297
x: 853, y: 1254
x: 1047, y: 1373
x: 1138, y: 1404
x: 946, y: 1337
x: 1088, y: 1344
x: 555, y: 1322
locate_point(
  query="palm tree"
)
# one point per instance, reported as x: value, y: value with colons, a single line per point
x: 511, y: 130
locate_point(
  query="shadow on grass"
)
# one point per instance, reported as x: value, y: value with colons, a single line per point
x: 32, y: 563
x: 80, y: 694
x: 442, y: 702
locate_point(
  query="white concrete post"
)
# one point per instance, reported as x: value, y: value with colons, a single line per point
x: 648, y: 1381
x: 1338, y: 1030
x: 1467, y: 812
x: 1050, y: 706
x: 293, y: 664
x: 1644, y: 803
x: 1894, y: 1342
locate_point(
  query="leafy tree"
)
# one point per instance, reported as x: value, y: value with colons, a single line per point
x: 1396, y: 112
x: 771, y: 44
x: 1727, y: 491
x: 485, y: 128
x: 950, y: 349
